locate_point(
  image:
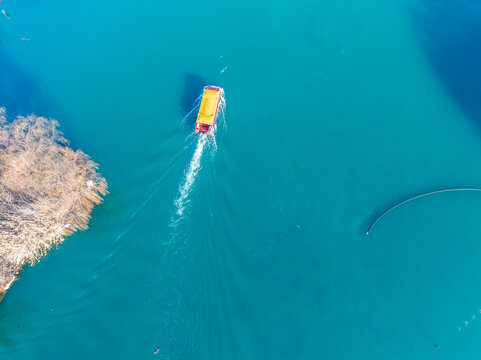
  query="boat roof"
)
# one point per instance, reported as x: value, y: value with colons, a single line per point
x: 208, y: 106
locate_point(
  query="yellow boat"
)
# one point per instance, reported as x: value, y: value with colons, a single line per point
x: 208, y: 110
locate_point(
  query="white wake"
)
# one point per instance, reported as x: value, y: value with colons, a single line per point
x: 190, y: 174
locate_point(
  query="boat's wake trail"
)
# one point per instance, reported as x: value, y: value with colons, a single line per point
x: 190, y: 175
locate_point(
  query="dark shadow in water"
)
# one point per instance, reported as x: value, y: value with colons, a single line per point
x: 193, y: 85
x: 450, y: 32
x: 20, y: 92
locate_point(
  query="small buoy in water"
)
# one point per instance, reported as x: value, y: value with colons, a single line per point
x: 6, y: 14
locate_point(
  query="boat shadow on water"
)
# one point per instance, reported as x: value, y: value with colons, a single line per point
x: 450, y: 33
x: 193, y: 85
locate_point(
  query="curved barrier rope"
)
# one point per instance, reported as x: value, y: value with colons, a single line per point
x: 414, y: 198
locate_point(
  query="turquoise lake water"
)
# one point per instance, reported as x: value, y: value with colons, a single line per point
x: 335, y: 111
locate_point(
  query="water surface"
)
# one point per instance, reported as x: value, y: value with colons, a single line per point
x: 335, y: 110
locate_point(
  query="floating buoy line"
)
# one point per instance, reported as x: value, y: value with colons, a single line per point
x: 414, y: 198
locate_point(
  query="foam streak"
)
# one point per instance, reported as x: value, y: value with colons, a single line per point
x: 190, y: 175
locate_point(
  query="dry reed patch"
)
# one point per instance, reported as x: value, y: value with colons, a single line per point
x: 47, y: 191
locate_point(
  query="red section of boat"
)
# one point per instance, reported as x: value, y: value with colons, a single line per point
x: 203, y: 128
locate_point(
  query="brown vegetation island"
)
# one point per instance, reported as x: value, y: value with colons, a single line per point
x: 47, y: 191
